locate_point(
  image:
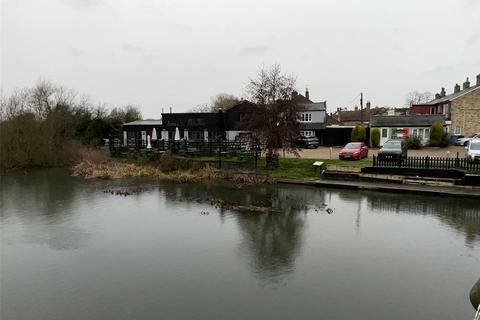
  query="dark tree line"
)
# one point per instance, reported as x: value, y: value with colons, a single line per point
x: 45, y: 124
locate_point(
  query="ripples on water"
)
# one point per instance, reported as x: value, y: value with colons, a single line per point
x: 70, y: 250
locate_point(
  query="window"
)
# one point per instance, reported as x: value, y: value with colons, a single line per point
x: 306, y: 117
x: 420, y: 133
x: 457, y: 130
x: 384, y: 133
x: 427, y: 133
x: 415, y: 132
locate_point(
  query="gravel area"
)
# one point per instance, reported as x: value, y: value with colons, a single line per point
x: 324, y: 152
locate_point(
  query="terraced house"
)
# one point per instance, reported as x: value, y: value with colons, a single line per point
x: 461, y: 108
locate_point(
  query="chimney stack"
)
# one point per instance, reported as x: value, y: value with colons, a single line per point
x: 456, y: 89
x: 437, y: 95
x: 307, y: 94
x: 442, y: 93
x: 478, y: 79
x: 368, y: 105
x: 356, y: 108
x: 294, y: 94
x: 466, y: 84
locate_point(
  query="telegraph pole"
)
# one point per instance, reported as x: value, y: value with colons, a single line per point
x: 361, y: 108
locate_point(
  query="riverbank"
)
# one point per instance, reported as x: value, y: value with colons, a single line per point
x: 291, y: 171
x: 453, y: 191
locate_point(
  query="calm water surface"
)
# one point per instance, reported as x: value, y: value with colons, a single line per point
x: 71, y: 251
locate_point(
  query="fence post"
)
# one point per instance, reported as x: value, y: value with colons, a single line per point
x: 427, y: 162
x: 219, y: 153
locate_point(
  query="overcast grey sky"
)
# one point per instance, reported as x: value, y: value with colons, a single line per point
x: 179, y: 53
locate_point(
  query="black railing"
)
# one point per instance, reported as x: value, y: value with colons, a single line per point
x: 182, y: 147
x: 428, y: 163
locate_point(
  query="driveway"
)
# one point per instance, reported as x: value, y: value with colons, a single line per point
x: 324, y: 152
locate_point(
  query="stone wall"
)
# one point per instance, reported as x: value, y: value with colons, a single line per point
x: 465, y: 113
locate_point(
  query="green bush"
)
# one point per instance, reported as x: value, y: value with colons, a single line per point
x: 375, y: 137
x: 359, y: 133
x: 414, y: 142
x: 438, y: 137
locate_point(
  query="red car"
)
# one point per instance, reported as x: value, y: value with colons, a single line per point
x: 354, y: 150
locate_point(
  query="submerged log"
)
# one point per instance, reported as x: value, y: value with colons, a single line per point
x: 230, y: 206
x: 475, y: 295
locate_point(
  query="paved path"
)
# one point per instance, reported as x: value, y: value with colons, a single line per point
x: 457, y: 191
x: 324, y: 152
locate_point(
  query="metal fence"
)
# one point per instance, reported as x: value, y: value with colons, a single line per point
x: 182, y: 147
x: 428, y: 163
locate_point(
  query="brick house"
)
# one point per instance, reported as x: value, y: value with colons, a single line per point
x: 461, y: 108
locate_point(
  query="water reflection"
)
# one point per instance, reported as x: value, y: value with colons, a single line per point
x: 272, y: 241
x: 42, y: 200
x: 462, y: 215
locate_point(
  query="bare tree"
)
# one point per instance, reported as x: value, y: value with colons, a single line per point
x: 274, y: 123
x: 271, y: 85
x: 416, y: 97
x: 201, y: 108
x: 221, y: 101
x: 17, y: 103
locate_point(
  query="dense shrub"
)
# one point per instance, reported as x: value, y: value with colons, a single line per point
x: 359, y: 133
x: 42, y: 126
x: 375, y: 137
x: 27, y: 142
x: 168, y: 162
x: 438, y: 137
x: 414, y: 142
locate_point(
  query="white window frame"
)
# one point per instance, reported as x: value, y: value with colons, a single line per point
x: 386, y: 132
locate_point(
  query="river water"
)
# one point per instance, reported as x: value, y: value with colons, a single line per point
x: 71, y: 250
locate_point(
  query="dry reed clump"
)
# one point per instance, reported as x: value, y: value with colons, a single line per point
x: 249, y: 179
x: 94, y: 155
x: 118, y: 170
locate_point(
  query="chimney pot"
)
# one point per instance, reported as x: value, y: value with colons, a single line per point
x: 307, y: 94
x: 456, y: 89
x: 466, y: 84
x: 442, y: 92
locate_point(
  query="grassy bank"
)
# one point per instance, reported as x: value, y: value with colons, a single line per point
x: 303, y: 168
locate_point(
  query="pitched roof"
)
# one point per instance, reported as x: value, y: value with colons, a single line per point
x: 313, y: 106
x: 450, y: 97
x: 148, y: 122
x: 406, y: 121
x: 356, y: 115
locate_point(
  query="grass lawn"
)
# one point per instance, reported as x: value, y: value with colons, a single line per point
x: 295, y: 167
x: 302, y: 168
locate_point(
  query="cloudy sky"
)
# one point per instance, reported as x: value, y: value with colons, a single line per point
x: 179, y: 53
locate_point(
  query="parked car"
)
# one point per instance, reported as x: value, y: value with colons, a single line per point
x: 308, y: 142
x: 465, y: 140
x: 354, y: 150
x: 473, y: 150
x: 393, y: 149
x: 454, y: 138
